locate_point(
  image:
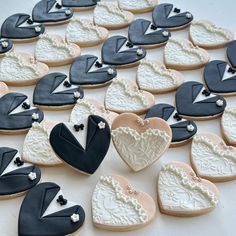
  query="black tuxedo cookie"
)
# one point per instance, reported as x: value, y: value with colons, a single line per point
x: 54, y: 91
x: 80, y: 4
x: 5, y: 46
x: 166, y: 15
x: 16, y: 176
x: 118, y: 51
x: 83, y: 146
x: 182, y: 130
x: 16, y: 113
x: 231, y: 53
x: 51, y: 12
x: 194, y: 101
x: 143, y: 32
x: 19, y: 27
x: 220, y: 78
x: 46, y: 211
x: 86, y: 70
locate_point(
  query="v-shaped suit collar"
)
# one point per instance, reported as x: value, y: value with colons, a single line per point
x: 6, y: 156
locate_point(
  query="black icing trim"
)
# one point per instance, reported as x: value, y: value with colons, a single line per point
x: 5, y: 49
x: 231, y: 53
x: 79, y: 3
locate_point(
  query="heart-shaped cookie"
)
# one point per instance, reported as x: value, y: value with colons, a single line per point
x: 37, y: 148
x: 85, y: 33
x: 212, y: 159
x: 80, y: 5
x: 16, y: 176
x: 110, y: 16
x: 124, y: 96
x: 16, y: 113
x: 205, y: 34
x: 182, y: 193
x: 54, y: 51
x: 220, y: 78
x: 181, y: 54
x: 87, y: 107
x: 156, y: 78
x: 137, y: 6
x: 231, y: 53
x: 55, y: 92
x: 143, y: 32
x: 51, y: 12
x: 118, y: 51
x: 87, y: 71
x: 3, y: 89
x: 182, y: 130
x: 19, y: 27
x: 82, y: 146
x: 6, y: 45
x: 117, y: 206
x: 45, y: 211
x: 21, y: 69
x: 136, y: 139
x: 195, y: 102
x: 228, y: 124
x: 166, y: 15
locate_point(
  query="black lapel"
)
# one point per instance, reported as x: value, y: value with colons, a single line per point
x: 6, y: 156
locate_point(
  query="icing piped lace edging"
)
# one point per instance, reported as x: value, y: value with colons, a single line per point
x: 38, y: 126
x: 230, y: 110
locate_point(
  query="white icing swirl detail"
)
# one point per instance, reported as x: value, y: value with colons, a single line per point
x: 134, y: 4
x: 229, y: 123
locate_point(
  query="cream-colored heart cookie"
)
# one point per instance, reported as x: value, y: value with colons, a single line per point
x: 182, y: 193
x: 54, y: 51
x: 111, y: 16
x: 139, y: 6
x: 228, y: 125
x: 87, y: 107
x: 3, y: 89
x: 85, y: 33
x: 181, y: 54
x: 205, y: 34
x: 212, y: 159
x: 37, y: 148
x: 117, y: 206
x: 140, y: 142
x: 154, y: 77
x: 124, y: 96
x: 21, y: 69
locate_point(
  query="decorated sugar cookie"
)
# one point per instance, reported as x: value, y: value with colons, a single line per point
x: 37, y: 148
x: 194, y: 101
x: 110, y: 16
x: 137, y: 6
x: 228, y: 124
x: 20, y: 27
x: 205, y: 34
x: 123, y: 95
x: 80, y: 5
x: 3, y: 89
x: 55, y: 92
x: 143, y: 32
x: 182, y: 193
x: 6, y: 45
x: 156, y: 78
x: 85, y: 33
x: 180, y: 54
x: 117, y: 206
x: 16, y: 176
x: 212, y: 159
x: 231, y: 53
x: 87, y: 107
x: 84, y: 145
x: 140, y: 142
x: 16, y: 113
x: 51, y: 12
x: 21, y: 69
x: 182, y: 130
x: 46, y: 211
x: 54, y: 51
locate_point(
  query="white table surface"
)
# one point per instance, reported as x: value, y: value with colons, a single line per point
x: 79, y: 188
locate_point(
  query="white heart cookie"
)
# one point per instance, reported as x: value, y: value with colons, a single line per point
x: 85, y: 33
x: 117, y: 206
x: 123, y: 96
x: 181, y: 54
x: 156, y: 78
x: 136, y: 139
x: 54, y: 51
x: 137, y: 6
x: 212, y: 159
x: 111, y: 16
x: 228, y: 125
x: 205, y: 34
x: 182, y: 193
x: 20, y: 69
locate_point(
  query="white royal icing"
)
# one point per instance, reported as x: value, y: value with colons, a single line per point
x: 227, y: 74
x: 178, y: 192
x: 20, y: 108
x: 139, y: 150
x: 112, y: 207
x: 201, y: 97
x: 229, y: 123
x: 62, y: 88
x: 171, y: 120
x: 134, y: 4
